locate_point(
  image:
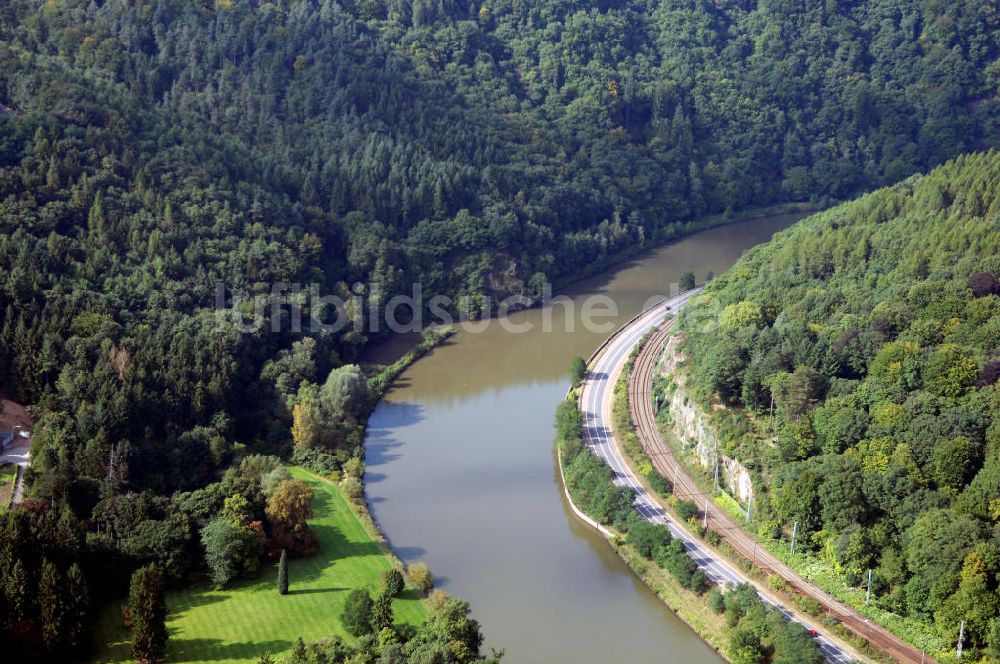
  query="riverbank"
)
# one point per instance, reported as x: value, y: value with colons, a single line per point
x: 681, y: 230
x: 248, y: 619
x: 461, y: 473
x: 689, y: 607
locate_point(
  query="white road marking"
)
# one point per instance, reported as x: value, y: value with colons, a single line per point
x: 595, y: 401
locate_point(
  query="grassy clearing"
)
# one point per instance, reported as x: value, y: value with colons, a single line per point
x: 250, y: 619
x: 7, y: 475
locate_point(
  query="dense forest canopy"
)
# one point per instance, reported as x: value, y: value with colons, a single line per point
x: 859, y: 356
x: 158, y: 148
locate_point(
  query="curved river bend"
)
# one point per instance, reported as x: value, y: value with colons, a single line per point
x: 461, y: 474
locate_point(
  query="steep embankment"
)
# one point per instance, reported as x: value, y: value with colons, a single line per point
x: 850, y: 365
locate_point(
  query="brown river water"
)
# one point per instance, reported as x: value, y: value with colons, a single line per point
x: 461, y: 474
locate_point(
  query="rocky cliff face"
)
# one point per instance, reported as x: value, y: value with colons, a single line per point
x: 691, y: 425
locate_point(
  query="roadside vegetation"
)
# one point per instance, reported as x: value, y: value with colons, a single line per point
x: 156, y: 150
x: 750, y: 634
x: 588, y: 478
x: 851, y: 365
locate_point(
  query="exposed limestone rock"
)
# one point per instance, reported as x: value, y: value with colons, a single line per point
x: 691, y: 425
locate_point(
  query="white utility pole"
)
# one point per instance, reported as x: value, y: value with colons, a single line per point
x: 868, y: 595
x: 795, y: 530
x: 705, y: 525
x: 749, y: 505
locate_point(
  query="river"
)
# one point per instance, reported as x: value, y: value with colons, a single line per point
x: 461, y: 474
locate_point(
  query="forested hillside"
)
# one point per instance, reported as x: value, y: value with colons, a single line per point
x: 858, y: 357
x: 158, y: 148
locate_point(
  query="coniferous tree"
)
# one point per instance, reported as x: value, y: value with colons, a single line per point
x: 283, y: 573
x: 17, y: 592
x: 52, y: 607
x: 148, y: 609
x: 78, y: 600
x: 392, y: 582
x: 357, y: 613
x: 381, y: 613
x: 299, y: 653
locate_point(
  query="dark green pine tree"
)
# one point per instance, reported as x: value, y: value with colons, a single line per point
x: 78, y: 599
x: 381, y: 616
x: 51, y: 607
x: 16, y: 591
x: 283, y: 573
x: 299, y: 654
x: 148, y: 609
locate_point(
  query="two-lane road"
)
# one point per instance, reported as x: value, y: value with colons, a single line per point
x: 596, y: 401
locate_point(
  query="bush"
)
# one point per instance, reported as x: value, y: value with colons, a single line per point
x: 659, y: 483
x: 687, y: 510
x: 745, y: 648
x: 698, y: 583
x: 317, y: 460
x: 353, y: 489
x: 381, y: 613
x: 392, y: 582
x: 577, y: 371
x: 422, y: 577
x: 357, y: 613
x: 716, y: 601
x: 354, y: 467
x: 647, y: 538
x: 569, y: 421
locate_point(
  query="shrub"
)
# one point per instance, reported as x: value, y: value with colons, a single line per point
x: 716, y: 601
x: 354, y: 467
x: 687, y: 510
x: 577, y: 371
x: 318, y: 461
x: 381, y: 613
x: 422, y: 577
x: 646, y: 537
x: 392, y: 582
x: 698, y: 583
x: 659, y: 483
x: 357, y: 613
x: 353, y: 489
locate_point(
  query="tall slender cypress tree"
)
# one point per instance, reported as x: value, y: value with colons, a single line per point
x: 283, y: 573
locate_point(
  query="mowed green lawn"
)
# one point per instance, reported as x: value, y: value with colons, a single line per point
x: 249, y: 618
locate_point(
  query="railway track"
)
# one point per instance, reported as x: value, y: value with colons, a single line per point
x: 640, y: 397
